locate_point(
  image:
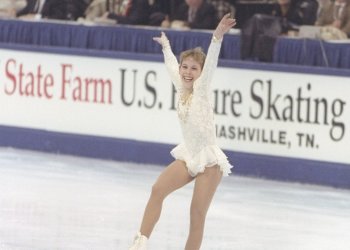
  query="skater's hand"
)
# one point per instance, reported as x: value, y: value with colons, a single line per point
x: 226, y: 23
x: 162, y: 40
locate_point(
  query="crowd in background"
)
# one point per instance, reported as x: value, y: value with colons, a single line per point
x: 186, y: 14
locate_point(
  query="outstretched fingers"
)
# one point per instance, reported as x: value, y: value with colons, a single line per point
x: 162, y: 39
x: 228, y: 21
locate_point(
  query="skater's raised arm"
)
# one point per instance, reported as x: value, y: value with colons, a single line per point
x: 226, y: 23
x: 211, y: 61
x: 170, y: 59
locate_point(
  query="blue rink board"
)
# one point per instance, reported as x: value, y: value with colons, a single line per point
x: 263, y: 166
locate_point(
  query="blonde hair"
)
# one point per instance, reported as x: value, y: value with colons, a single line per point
x: 197, y: 54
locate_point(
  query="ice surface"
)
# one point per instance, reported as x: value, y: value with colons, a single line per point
x: 52, y: 201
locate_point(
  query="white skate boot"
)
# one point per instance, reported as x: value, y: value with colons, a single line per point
x: 140, y: 242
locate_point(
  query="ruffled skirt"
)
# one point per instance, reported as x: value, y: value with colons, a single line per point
x: 207, y: 157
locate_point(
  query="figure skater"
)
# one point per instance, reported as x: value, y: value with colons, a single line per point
x: 198, y: 157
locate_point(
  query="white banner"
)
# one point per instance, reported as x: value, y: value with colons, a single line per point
x: 263, y: 112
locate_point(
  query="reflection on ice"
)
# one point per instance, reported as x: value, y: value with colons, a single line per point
x: 62, y: 202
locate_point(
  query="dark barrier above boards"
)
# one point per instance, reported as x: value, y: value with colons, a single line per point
x: 298, y: 51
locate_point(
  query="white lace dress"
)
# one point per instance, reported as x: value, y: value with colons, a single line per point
x: 199, y: 149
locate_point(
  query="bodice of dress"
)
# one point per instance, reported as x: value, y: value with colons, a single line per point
x: 196, y: 117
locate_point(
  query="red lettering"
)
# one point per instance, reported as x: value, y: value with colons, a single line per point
x: 11, y: 77
x: 29, y: 88
x: 85, y: 89
x: 20, y: 76
x: 64, y: 79
x: 39, y: 76
x: 48, y: 83
x: 26, y: 82
x: 77, y: 95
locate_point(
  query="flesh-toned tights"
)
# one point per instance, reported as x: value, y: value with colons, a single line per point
x: 172, y: 178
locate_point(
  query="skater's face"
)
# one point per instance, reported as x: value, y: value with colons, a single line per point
x: 190, y: 70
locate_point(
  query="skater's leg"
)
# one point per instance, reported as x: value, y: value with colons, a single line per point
x: 172, y: 178
x: 204, y: 190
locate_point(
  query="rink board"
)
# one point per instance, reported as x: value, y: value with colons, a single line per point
x: 274, y: 121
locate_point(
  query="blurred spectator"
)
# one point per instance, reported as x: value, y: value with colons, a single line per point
x: 293, y: 13
x: 336, y: 14
x: 194, y: 14
x: 165, y: 6
x: 96, y: 9
x: 321, y: 4
x: 32, y: 9
x: 54, y: 9
x: 64, y: 9
x: 258, y: 36
x: 160, y: 10
x: 120, y: 11
x: 259, y: 33
x: 223, y: 7
x: 9, y: 8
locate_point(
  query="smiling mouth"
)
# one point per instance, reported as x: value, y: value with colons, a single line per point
x: 187, y: 79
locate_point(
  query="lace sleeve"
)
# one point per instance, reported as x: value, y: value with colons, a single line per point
x: 172, y: 66
x: 210, y: 64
